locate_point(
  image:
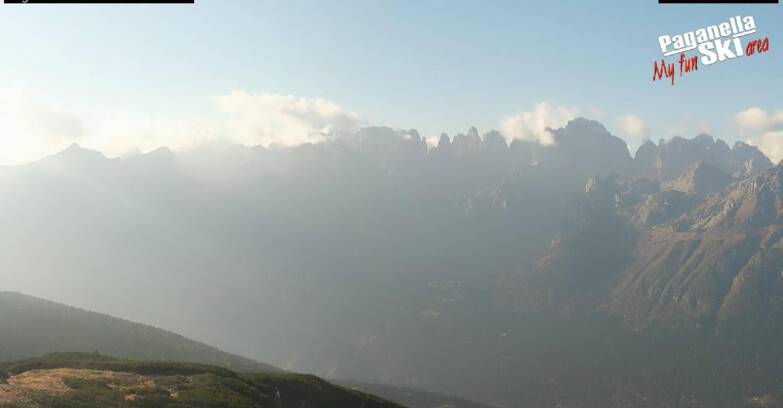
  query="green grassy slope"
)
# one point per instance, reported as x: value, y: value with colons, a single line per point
x: 33, y: 327
x: 181, y: 385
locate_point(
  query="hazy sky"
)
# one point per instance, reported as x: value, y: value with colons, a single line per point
x: 119, y: 77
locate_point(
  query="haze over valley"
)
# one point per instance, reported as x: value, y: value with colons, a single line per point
x: 512, y: 274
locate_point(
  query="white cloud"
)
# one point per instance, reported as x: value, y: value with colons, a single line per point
x: 533, y: 125
x: 31, y: 128
x: 755, y: 121
x: 283, y: 119
x: 763, y: 130
x: 115, y: 133
x: 432, y: 141
x: 771, y: 143
x: 633, y: 126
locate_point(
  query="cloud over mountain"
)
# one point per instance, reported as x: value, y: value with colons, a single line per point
x: 755, y: 120
x: 633, y: 126
x: 762, y: 129
x: 264, y: 119
x: 532, y: 126
x: 31, y: 127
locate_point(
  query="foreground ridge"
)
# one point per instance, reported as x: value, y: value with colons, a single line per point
x: 92, y: 380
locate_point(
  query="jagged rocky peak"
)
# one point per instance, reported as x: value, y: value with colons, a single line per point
x: 644, y: 202
x: 494, y: 141
x: 586, y: 146
x: 712, y: 262
x: 670, y: 158
x: 755, y: 202
x: 708, y: 142
x: 471, y: 143
x: 161, y: 152
x: 702, y: 177
x: 647, y: 161
x: 73, y: 157
x: 748, y: 160
x: 76, y: 152
x: 412, y: 134
x: 582, y: 129
x: 411, y: 141
x: 473, y: 133
x: 761, y: 198
x: 371, y: 137
x: 380, y: 141
x: 593, y: 185
x: 467, y: 144
x: 444, y: 141
x: 674, y: 156
x: 155, y: 160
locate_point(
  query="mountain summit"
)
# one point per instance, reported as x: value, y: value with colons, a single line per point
x: 549, y: 269
x: 702, y: 177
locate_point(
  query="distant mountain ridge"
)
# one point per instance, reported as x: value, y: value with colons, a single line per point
x: 33, y: 327
x: 670, y: 158
x: 549, y: 270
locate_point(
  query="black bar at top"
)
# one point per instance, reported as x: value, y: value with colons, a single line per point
x: 717, y: 1
x: 99, y: 1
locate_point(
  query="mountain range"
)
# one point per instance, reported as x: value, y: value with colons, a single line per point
x: 35, y: 331
x: 513, y: 274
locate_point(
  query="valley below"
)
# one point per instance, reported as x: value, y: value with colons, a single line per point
x: 506, y: 274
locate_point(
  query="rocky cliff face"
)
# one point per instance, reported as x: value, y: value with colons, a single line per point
x: 670, y: 158
x: 716, y: 265
x: 701, y: 177
x: 695, y: 252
